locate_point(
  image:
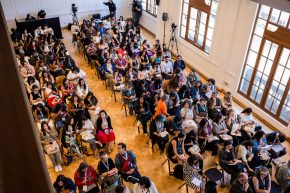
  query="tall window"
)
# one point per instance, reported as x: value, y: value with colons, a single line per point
x: 265, y: 79
x: 197, y: 22
x: 150, y: 7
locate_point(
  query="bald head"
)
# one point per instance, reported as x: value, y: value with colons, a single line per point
x: 243, y: 178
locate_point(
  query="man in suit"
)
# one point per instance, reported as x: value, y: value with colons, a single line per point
x: 136, y: 11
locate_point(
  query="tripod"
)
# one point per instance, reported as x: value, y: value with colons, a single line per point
x: 163, y: 43
x: 75, y: 19
x: 173, y: 39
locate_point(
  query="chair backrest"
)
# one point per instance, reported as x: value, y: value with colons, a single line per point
x: 59, y: 80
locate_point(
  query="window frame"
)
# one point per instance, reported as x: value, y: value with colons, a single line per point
x: 281, y: 41
x: 146, y: 8
x: 201, y: 7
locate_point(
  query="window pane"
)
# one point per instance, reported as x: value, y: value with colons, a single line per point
x: 280, y: 92
x: 200, y: 40
x: 275, y: 15
x: 207, y: 45
x: 266, y: 48
x: 184, y: 19
x: 190, y: 35
x: 275, y: 106
x: 209, y: 33
x: 285, y: 113
x: 192, y: 24
x: 259, y: 96
x: 264, y: 12
x: 185, y: 8
x: 255, y: 45
x: 278, y: 73
x: 254, y: 92
x: 201, y: 29
x: 203, y: 17
x: 244, y: 86
x: 248, y: 73
x: 269, y: 102
x: 284, y: 56
x: 273, y: 51
x: 274, y: 88
x: 263, y: 82
x: 214, y: 7
x: 252, y: 57
x: 257, y: 78
x: 283, y: 19
x: 183, y: 30
x: 260, y: 27
x: 285, y: 77
x: 211, y: 21
x: 268, y: 67
x: 193, y: 13
x: 207, y: 2
x: 262, y: 64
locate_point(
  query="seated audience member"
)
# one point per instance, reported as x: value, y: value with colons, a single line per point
x: 27, y: 70
x: 214, y: 106
x: 86, y: 129
x: 122, y: 189
x: 219, y: 126
x: 283, y: 176
x: 45, y: 78
x: 41, y: 113
x: 48, y: 138
x: 85, y: 178
x: 36, y: 96
x: 108, y: 171
x: 262, y: 180
x: 192, y: 77
x: 29, y: 17
x: 210, y: 88
x: 184, y: 93
x: 109, y: 69
x: 196, y: 91
x: 59, y: 113
x: 143, y: 113
x: 174, y: 124
x: 91, y: 103
x: 156, y: 87
x: 69, y: 138
x: 241, y: 184
x: 166, y: 53
x: 30, y: 82
x: 186, y: 114
x: 105, y: 133
x: 228, y: 161
x: 67, y: 89
x: 201, y: 110
x: 275, y: 138
x: 75, y: 74
x: 121, y: 64
x: 127, y: 165
x: 131, y: 75
x: 144, y: 185
x: 38, y: 32
x: 155, y: 71
x: 64, y: 184
x: 191, y: 170
x: 227, y: 101
x: 179, y: 63
x: 234, y: 125
x: 206, y: 138
x: 245, y: 154
x: 143, y: 59
x: 158, y: 133
x: 117, y: 80
x: 161, y: 108
x: 258, y: 140
x: 176, y: 152
x: 143, y: 73
x: 129, y: 96
x: 82, y: 89
x: 173, y: 104
x: 248, y: 122
x: 166, y: 68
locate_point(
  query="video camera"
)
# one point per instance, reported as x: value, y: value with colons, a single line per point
x: 173, y: 27
x: 74, y: 8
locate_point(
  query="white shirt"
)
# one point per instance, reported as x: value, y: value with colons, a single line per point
x: 166, y: 67
x: 138, y: 189
x: 75, y: 77
x: 38, y: 32
x: 88, y: 133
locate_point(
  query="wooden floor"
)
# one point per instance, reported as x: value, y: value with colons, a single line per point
x: 149, y: 163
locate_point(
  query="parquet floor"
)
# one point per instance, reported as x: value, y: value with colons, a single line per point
x: 149, y: 163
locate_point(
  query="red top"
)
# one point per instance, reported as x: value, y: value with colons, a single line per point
x: 91, y: 176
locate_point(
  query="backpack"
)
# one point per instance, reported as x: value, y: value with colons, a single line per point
x: 210, y: 187
x: 178, y: 172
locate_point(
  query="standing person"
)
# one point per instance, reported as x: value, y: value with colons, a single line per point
x: 126, y: 163
x: 112, y: 8
x: 283, y: 176
x: 241, y: 184
x: 136, y: 11
x: 63, y: 184
x: 145, y: 185
x: 85, y: 178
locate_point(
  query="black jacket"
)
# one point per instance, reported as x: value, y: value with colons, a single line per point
x: 112, y: 6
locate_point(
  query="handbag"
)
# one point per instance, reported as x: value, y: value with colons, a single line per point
x: 52, y: 148
x: 109, y: 180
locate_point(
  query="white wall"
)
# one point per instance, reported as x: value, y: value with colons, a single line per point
x: 60, y: 8
x: 235, y: 19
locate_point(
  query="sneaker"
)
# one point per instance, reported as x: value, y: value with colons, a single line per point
x: 138, y: 123
x: 59, y: 168
x: 99, y: 144
x: 56, y: 169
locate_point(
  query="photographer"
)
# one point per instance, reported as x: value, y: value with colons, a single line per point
x: 112, y: 8
x: 136, y: 11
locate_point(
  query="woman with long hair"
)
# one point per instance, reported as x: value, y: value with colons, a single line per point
x: 145, y: 185
x: 85, y: 178
x: 63, y: 184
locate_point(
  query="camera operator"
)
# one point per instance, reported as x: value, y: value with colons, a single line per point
x: 112, y: 8
x: 136, y: 11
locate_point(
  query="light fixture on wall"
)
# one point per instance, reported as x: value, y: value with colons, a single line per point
x: 157, y: 2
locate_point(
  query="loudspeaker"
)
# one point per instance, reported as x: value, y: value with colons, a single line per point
x: 165, y: 16
x: 157, y: 2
